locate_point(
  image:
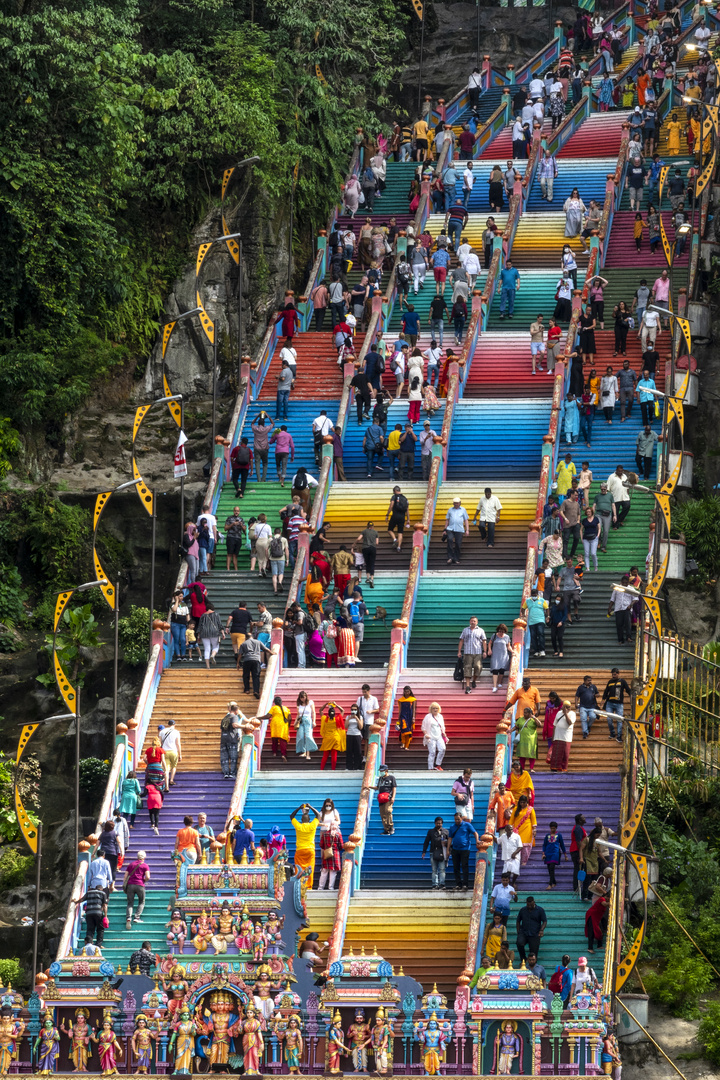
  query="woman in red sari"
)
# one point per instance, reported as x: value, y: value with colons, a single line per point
x: 444, y: 375
x: 593, y: 922
x: 552, y: 708
x: 346, y: 656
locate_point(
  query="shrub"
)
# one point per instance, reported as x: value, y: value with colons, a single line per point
x: 10, y: 972
x: 93, y: 777
x: 684, y: 978
x: 135, y: 635
x: 709, y: 1032
x: 14, y: 867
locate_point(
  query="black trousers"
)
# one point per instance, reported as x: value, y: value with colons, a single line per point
x: 623, y: 624
x: 644, y: 465
x: 94, y: 925
x: 362, y: 403
x: 647, y: 408
x: 575, y: 856
x: 556, y: 636
x: 239, y: 479
x: 353, y: 758
x: 251, y: 668
x: 574, y: 531
x: 532, y: 942
x: 622, y: 509
x: 461, y: 862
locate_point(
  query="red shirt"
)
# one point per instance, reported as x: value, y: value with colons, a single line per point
x: 467, y: 141
x: 136, y: 873
x: 577, y: 835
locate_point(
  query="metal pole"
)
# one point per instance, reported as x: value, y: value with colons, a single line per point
x: 239, y: 311
x: 115, y: 660
x: 422, y: 48
x: 290, y: 243
x: 77, y: 773
x: 182, y: 482
x: 214, y: 387
x: 152, y: 566
x: 477, y: 50
x: 38, y: 864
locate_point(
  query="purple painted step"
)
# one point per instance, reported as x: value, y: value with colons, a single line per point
x: 402, y: 220
x: 192, y: 794
x: 559, y: 797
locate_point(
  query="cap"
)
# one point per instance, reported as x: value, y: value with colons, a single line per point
x: 456, y: 498
x: 426, y: 424
x: 598, y: 821
x: 582, y: 959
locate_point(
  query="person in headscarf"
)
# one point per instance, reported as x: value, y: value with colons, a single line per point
x: 276, y: 841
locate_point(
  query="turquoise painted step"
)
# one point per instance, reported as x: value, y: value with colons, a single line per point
x: 565, y: 931
x: 445, y: 604
x: 119, y: 943
x: 479, y: 443
x: 536, y: 294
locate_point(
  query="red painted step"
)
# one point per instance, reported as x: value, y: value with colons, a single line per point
x: 622, y: 250
x: 318, y: 373
x: 598, y: 136
x: 500, y: 149
x: 501, y: 368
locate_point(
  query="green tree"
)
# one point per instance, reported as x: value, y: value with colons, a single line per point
x: 78, y: 630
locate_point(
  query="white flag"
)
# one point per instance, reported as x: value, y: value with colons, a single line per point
x: 180, y: 462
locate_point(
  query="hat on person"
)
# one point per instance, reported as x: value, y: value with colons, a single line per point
x: 456, y: 498
x: 582, y: 960
x: 426, y: 424
x: 598, y: 821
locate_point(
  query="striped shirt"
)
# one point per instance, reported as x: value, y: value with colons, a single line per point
x: 473, y: 641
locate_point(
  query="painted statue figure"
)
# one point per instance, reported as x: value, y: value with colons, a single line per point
x: 216, y: 1024
x: 79, y: 1032
x: 176, y: 987
x: 261, y: 992
x: 258, y: 942
x: 273, y: 932
x: 244, y: 932
x: 203, y: 929
x: 225, y: 932
x: 434, y: 1041
x: 176, y: 931
x: 142, y: 1041
x: 507, y: 1046
x: 359, y: 1037
x: 107, y: 1044
x: 291, y: 1036
x: 183, y: 1040
x: 10, y: 1033
x: 380, y: 1042
x: 610, y: 1057
x: 335, y: 1045
x: 48, y: 1042
x: 253, y: 1042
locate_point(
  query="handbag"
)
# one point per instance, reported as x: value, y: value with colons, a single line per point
x: 384, y: 797
x: 458, y: 672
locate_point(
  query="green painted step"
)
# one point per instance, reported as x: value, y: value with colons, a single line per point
x: 565, y: 931
x: 119, y: 943
x: 536, y: 293
x: 624, y: 281
x: 267, y: 498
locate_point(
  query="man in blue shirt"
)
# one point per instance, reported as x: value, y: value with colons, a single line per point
x: 460, y: 834
x: 457, y: 525
x: 646, y: 397
x: 449, y: 181
x: 440, y: 262
x: 244, y: 840
x: 510, y: 283
x: 566, y: 976
x: 411, y: 325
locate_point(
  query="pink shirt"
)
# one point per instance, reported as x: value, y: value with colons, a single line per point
x: 284, y: 443
x: 661, y: 289
x: 137, y: 872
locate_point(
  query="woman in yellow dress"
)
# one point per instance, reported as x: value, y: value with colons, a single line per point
x: 520, y: 783
x: 314, y: 588
x: 332, y: 731
x: 279, y: 718
x: 524, y: 821
x: 495, y: 936
x: 305, y: 829
x: 674, y: 128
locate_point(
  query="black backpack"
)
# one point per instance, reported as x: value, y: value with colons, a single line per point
x: 401, y: 504
x: 308, y: 625
x: 227, y: 722
x: 276, y: 548
x: 301, y: 481
x: 241, y: 455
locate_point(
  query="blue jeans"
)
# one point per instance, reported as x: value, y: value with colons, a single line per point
x: 587, y: 719
x: 438, y: 201
x: 617, y: 710
x: 449, y: 197
x: 507, y: 300
x: 281, y: 404
x: 467, y: 192
x: 455, y: 232
x: 177, y: 639
x: 373, y: 457
x: 436, y: 329
x: 203, y: 559
x: 586, y: 423
x: 537, y: 637
x: 433, y: 371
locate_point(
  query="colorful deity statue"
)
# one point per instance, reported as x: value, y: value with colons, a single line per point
x: 258, y: 942
x: 261, y: 992
x: 142, y: 1041
x: 244, y: 932
x: 433, y: 1041
x: 335, y: 1045
x: 108, y: 1046
x: 10, y: 1033
x: 273, y: 932
x: 507, y: 1047
x: 176, y: 987
x: 79, y: 1032
x: 610, y: 1057
x: 176, y: 931
x: 380, y: 1041
x: 182, y: 1041
x: 225, y: 929
x: 359, y: 1037
x: 216, y: 1024
x: 203, y: 928
x: 253, y: 1042
x: 290, y: 1034
x: 47, y: 1048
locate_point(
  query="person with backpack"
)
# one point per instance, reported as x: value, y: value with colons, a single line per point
x: 373, y: 443
x: 279, y: 553
x: 403, y: 272
x: 398, y: 516
x: 561, y: 980
x: 234, y: 535
x: 261, y: 428
x: 241, y: 463
x: 386, y: 788
x: 463, y: 792
x: 407, y: 452
x: 302, y: 481
x: 357, y: 612
x: 322, y: 425
x: 336, y: 293
x: 229, y: 740
x: 369, y: 187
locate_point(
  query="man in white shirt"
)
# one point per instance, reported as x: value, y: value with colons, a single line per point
x: 509, y: 847
x: 170, y: 743
x: 472, y: 268
x: 468, y: 181
x: 432, y: 355
x: 289, y: 355
x: 463, y: 251
x: 537, y: 88
x: 702, y: 36
x: 457, y: 524
x: 649, y: 328
x: 620, y: 495
x: 426, y: 445
x: 518, y: 139
x: 212, y: 526
x: 526, y: 116
x: 322, y: 425
x: 488, y: 510
x: 367, y: 705
x: 538, y: 111
x: 474, y: 86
